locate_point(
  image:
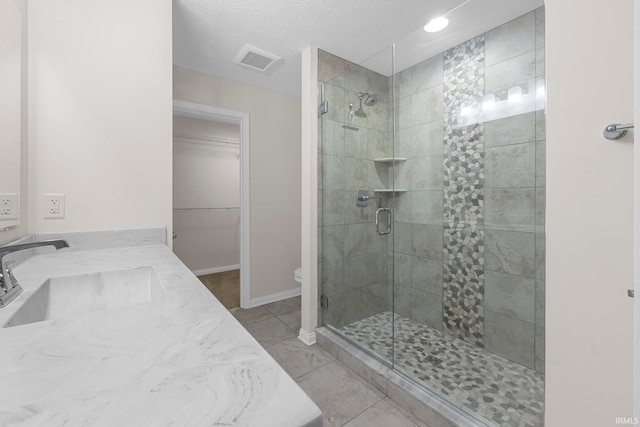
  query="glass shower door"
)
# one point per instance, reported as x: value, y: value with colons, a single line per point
x: 356, y: 203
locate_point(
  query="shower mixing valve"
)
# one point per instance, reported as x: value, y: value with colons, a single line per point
x: 362, y: 198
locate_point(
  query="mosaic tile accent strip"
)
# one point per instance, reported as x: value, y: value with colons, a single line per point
x: 492, y: 388
x: 463, y: 78
x: 463, y: 214
x: 464, y: 175
x: 463, y: 278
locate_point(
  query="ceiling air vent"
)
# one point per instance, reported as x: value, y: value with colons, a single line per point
x: 255, y: 58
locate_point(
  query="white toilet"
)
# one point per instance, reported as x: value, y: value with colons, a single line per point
x: 297, y: 275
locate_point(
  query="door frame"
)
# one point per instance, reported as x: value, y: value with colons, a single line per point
x: 208, y: 112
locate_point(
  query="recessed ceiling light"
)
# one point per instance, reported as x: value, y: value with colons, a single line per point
x: 441, y: 22
x: 436, y: 24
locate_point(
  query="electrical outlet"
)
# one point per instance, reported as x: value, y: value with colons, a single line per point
x: 8, y: 206
x: 53, y: 206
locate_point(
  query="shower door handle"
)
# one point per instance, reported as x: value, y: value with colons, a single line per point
x: 388, y: 230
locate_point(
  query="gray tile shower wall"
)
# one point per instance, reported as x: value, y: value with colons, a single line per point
x: 418, y: 216
x: 485, y: 280
x: 514, y: 195
x: 467, y: 253
x: 354, y: 267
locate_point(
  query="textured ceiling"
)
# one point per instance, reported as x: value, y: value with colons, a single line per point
x: 207, y: 34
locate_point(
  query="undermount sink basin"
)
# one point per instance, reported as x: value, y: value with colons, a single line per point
x: 61, y: 297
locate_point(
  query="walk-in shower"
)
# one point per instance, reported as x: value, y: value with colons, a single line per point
x: 450, y: 150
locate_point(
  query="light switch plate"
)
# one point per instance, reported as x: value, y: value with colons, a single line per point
x: 54, y: 206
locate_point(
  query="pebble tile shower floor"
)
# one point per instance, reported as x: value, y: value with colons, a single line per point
x: 489, y: 386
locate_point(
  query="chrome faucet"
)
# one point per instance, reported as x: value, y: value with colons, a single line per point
x: 9, y: 287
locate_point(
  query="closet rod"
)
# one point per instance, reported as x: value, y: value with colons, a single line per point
x: 233, y: 141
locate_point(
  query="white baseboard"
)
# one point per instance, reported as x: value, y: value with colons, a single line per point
x: 309, y: 338
x: 213, y: 270
x: 278, y: 296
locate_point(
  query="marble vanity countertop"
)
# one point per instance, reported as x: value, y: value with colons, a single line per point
x: 181, y: 360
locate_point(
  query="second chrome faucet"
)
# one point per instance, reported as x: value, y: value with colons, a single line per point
x: 9, y: 287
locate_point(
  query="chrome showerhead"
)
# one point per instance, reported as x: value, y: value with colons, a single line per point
x: 360, y: 112
x: 372, y: 99
x: 369, y: 100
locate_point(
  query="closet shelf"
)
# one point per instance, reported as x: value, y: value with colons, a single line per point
x: 389, y: 159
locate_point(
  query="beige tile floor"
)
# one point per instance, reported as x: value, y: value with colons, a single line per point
x: 345, y: 399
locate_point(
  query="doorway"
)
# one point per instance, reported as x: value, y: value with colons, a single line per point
x: 211, y: 198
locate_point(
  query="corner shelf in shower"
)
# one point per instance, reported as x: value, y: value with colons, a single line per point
x: 389, y: 159
x: 390, y: 190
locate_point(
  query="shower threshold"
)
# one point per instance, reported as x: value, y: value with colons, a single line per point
x: 491, y: 389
